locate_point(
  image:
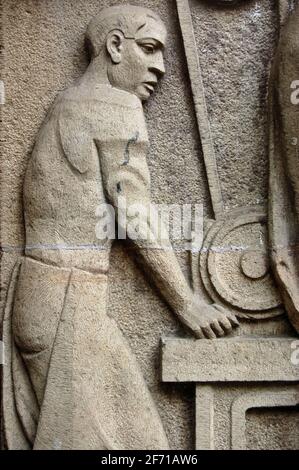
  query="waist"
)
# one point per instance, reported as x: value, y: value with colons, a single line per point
x: 93, y: 259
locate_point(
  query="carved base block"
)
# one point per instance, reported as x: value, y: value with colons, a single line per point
x: 233, y: 376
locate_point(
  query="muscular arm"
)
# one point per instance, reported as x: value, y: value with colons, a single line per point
x: 126, y: 180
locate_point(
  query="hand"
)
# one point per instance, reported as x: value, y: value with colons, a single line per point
x: 208, y: 321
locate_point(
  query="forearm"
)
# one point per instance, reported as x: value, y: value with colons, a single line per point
x: 164, y: 270
x: 155, y: 253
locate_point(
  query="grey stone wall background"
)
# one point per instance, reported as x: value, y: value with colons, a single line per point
x: 43, y: 53
x: 235, y: 47
x: 276, y: 426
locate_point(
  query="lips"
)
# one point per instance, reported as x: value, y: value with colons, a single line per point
x: 150, y: 86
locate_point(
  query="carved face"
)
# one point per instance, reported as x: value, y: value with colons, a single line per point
x: 137, y: 63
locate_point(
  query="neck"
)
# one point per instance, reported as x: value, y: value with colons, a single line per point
x: 96, y: 73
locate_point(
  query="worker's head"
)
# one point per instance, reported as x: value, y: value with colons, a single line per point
x: 131, y: 40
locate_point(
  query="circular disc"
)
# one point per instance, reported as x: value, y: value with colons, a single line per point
x: 235, y: 265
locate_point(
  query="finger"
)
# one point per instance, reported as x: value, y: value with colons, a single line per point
x: 234, y: 321
x: 199, y: 334
x: 209, y: 333
x: 231, y: 317
x: 195, y: 329
x: 225, y: 323
x: 217, y: 329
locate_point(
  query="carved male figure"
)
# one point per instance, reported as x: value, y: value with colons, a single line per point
x: 73, y: 381
x: 284, y: 166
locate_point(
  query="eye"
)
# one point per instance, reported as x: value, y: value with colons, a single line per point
x: 148, y: 48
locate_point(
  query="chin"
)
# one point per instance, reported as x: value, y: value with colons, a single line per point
x: 144, y: 98
x: 143, y: 94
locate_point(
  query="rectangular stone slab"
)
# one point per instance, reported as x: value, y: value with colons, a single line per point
x: 229, y: 360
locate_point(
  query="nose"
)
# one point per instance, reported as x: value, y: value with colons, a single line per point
x: 157, y: 66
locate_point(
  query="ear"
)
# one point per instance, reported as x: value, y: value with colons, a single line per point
x: 114, y: 45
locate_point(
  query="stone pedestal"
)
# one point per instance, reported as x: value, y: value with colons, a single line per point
x: 231, y: 377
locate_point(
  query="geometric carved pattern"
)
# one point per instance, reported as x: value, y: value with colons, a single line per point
x: 249, y: 400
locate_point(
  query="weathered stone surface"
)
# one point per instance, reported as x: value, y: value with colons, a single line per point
x: 208, y: 134
x: 239, y: 359
x: 268, y: 429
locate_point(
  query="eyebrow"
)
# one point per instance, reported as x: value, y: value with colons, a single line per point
x: 153, y: 17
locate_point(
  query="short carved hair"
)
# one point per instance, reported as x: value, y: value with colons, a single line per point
x: 126, y: 18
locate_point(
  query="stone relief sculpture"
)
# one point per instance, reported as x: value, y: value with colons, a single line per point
x: 72, y: 381
x: 284, y: 170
